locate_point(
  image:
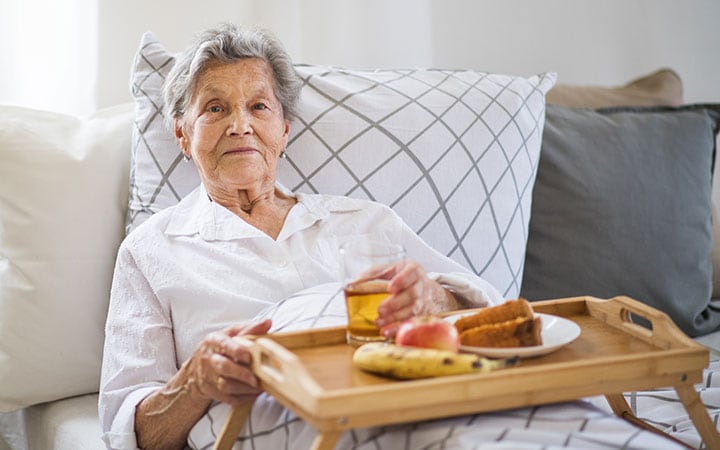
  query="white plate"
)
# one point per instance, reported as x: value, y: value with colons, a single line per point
x: 556, y: 332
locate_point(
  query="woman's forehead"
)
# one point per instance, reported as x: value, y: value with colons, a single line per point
x: 251, y: 73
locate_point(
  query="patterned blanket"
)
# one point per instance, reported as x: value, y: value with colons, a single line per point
x: 584, y: 424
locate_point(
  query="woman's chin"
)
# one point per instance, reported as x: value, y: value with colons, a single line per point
x: 246, y: 177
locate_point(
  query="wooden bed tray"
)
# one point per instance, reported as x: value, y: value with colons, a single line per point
x: 311, y: 373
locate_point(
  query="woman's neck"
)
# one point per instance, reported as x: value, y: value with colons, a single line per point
x: 265, y: 209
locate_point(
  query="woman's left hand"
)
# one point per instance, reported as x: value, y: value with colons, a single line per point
x: 412, y: 293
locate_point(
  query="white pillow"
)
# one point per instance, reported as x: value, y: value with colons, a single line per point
x: 455, y: 153
x: 63, y: 200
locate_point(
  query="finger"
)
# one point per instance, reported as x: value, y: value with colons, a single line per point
x: 395, y: 309
x: 232, y: 377
x: 215, y: 362
x: 390, y: 330
x: 235, y: 349
x: 233, y: 386
x: 223, y: 346
x: 401, y: 297
x: 230, y: 382
x: 396, y: 315
x: 409, y: 274
x: 233, y: 392
x: 393, y: 303
x: 415, y: 283
x: 261, y: 327
x: 414, y: 301
x: 237, y: 352
x: 220, y: 383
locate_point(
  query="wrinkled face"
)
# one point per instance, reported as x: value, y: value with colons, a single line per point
x: 234, y: 127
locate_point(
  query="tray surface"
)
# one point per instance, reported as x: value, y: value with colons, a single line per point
x: 312, y: 372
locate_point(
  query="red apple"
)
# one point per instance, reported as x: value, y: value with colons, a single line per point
x: 428, y: 332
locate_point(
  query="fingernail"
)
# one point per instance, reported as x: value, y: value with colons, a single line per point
x: 390, y: 330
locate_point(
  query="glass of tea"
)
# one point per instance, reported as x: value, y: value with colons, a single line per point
x: 365, y: 282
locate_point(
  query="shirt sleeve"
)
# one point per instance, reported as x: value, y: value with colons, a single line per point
x: 139, y: 353
x: 472, y: 290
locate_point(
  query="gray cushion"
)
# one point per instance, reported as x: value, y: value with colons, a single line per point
x: 621, y: 206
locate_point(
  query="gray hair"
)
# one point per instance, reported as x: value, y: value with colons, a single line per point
x: 230, y: 43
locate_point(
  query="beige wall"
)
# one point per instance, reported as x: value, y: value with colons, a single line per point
x: 586, y: 41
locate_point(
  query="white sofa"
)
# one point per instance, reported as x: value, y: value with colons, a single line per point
x: 71, y: 187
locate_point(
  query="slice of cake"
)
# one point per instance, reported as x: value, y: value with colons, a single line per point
x: 509, y: 324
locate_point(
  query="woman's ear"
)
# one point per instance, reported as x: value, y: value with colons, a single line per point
x: 286, y: 132
x: 180, y: 137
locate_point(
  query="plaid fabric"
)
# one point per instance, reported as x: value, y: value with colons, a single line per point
x: 454, y: 153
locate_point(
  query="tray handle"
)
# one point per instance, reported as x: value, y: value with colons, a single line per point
x: 640, y: 320
x: 272, y: 363
x: 275, y: 365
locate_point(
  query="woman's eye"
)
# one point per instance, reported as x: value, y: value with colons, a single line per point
x: 215, y: 109
x: 260, y: 106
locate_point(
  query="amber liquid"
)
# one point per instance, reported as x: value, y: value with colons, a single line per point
x: 362, y: 301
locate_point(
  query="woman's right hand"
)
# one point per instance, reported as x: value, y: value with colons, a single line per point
x: 221, y: 367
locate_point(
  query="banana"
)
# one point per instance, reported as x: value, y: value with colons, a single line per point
x: 413, y: 362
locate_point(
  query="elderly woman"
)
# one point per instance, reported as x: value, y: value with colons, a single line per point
x: 196, y: 275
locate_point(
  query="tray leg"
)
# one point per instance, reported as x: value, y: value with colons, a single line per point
x: 326, y: 440
x: 618, y: 404
x: 699, y: 415
x: 233, y: 425
x: 621, y: 409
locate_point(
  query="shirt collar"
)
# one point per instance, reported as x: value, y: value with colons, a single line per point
x: 197, y: 214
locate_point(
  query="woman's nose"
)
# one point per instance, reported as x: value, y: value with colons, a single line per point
x: 240, y: 123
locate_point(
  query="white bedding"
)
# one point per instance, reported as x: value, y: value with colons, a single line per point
x: 575, y: 425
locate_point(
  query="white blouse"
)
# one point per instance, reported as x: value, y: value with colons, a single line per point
x: 197, y: 268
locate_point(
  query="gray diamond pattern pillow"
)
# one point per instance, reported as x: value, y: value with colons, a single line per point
x: 455, y: 153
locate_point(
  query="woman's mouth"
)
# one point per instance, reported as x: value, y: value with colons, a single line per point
x: 241, y: 150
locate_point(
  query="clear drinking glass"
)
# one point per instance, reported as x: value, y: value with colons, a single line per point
x: 364, y: 263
